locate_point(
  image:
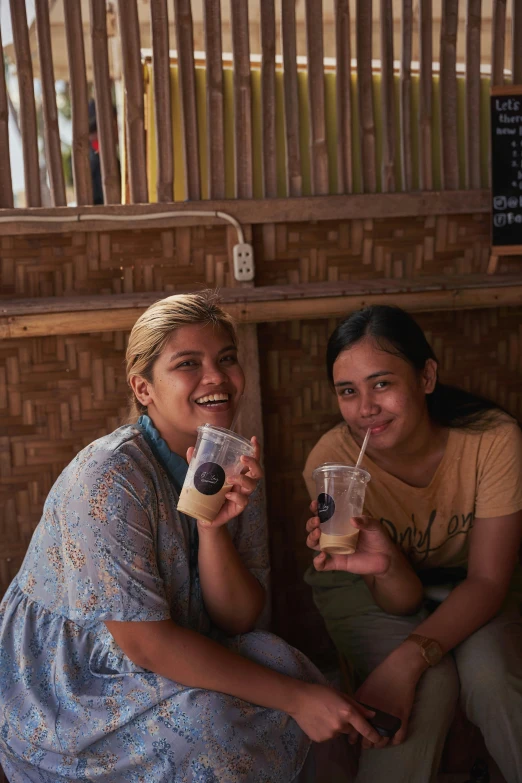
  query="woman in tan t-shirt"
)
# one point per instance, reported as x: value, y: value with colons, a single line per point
x: 444, y: 505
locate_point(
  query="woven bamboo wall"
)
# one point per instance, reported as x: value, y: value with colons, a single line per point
x: 480, y: 350
x: 59, y: 393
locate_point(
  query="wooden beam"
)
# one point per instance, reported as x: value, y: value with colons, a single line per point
x: 268, y: 97
x: 215, y: 99
x: 79, y: 102
x: 315, y: 53
x: 53, y: 148
x: 187, y: 85
x: 267, y: 304
x: 343, y: 96
x: 6, y: 186
x: 426, y: 95
x: 24, y: 69
x: 289, y: 48
x: 257, y: 211
x: 159, y: 23
x: 105, y: 111
x: 134, y: 100
x: 516, y: 42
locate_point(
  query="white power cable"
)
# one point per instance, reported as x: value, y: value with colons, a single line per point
x: 82, y: 218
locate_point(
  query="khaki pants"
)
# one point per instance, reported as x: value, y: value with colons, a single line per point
x: 485, y: 670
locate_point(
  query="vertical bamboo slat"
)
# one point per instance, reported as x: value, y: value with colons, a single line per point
x: 189, y: 111
x: 268, y: 97
x: 473, y: 21
x: 498, y: 42
x: 53, y: 151
x: 344, y: 97
x: 215, y: 99
x: 426, y: 95
x: 242, y: 99
x: 314, y: 47
x: 516, y: 41
x: 289, y: 48
x: 405, y: 99
x: 448, y: 92
x: 134, y: 100
x: 6, y: 186
x: 24, y: 68
x: 159, y: 25
x: 105, y: 112
x: 388, y: 98
x: 365, y: 94
x: 79, y: 101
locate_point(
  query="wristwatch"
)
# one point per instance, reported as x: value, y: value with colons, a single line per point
x: 431, y: 650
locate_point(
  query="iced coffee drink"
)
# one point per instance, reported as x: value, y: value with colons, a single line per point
x: 340, y: 496
x: 217, y: 455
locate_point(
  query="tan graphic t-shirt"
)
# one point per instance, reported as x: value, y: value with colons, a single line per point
x: 479, y: 476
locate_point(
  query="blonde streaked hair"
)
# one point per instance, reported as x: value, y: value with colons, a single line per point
x: 153, y: 328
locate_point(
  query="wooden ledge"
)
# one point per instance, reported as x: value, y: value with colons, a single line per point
x: 247, y: 211
x: 265, y: 304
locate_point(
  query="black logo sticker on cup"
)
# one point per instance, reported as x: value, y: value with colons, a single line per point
x: 325, y: 507
x: 209, y: 478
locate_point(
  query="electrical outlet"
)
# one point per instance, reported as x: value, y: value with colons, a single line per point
x: 244, y: 268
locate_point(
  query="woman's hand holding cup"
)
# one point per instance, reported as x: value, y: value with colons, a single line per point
x: 373, y: 553
x: 243, y: 485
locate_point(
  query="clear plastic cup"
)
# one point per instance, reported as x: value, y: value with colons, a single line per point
x: 340, y: 496
x: 217, y: 455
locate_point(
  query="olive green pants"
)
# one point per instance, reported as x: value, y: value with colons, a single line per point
x: 485, y: 671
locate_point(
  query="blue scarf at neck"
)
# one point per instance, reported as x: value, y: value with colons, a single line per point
x: 175, y: 465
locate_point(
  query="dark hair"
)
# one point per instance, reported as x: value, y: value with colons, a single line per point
x: 395, y: 331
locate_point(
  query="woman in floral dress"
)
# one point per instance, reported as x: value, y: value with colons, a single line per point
x: 127, y: 649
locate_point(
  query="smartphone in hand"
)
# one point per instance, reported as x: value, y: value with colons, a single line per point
x: 384, y: 724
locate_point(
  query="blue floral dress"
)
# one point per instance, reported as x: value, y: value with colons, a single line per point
x: 112, y: 546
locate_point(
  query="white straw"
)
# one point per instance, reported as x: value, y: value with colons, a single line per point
x: 363, y: 447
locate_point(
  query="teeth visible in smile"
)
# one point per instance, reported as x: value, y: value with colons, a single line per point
x: 213, y: 398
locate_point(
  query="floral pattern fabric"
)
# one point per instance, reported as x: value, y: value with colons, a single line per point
x: 111, y: 546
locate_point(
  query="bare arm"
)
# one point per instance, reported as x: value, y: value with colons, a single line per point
x: 233, y: 597
x: 191, y: 659
x: 494, y: 546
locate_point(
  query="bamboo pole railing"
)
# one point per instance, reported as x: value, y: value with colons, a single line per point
x: 105, y: 112
x: 405, y: 96
x: 365, y: 94
x: 133, y: 81
x: 215, y: 99
x: 28, y: 127
x: 159, y: 23
x: 333, y: 139
x: 53, y: 150
x: 344, y: 97
x: 268, y: 97
x: 289, y: 47
x: 79, y: 101
x: 189, y: 112
x: 314, y: 46
x: 6, y: 185
x: 388, y: 98
x: 473, y: 25
x: 242, y: 99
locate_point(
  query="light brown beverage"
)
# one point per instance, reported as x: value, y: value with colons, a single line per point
x: 200, y: 506
x: 339, y: 545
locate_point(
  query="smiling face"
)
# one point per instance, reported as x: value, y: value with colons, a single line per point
x: 195, y: 380
x: 382, y: 391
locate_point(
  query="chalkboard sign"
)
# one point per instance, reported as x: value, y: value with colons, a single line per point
x: 506, y: 168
